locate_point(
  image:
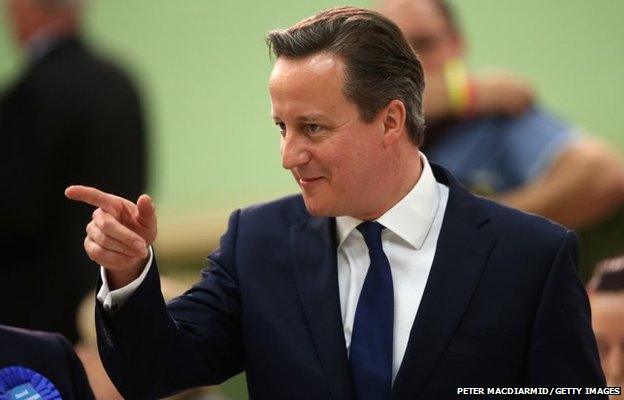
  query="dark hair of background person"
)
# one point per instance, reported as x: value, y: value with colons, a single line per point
x: 380, y: 65
x: 608, y: 276
x: 449, y: 15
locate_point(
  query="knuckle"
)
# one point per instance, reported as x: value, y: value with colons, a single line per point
x: 107, y: 224
x: 98, y: 213
x: 92, y: 251
x: 98, y: 220
x: 94, y: 258
x: 91, y: 226
x: 99, y: 238
x: 92, y: 232
x: 118, y: 207
x: 95, y: 250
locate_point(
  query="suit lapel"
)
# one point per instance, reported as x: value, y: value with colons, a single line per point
x: 313, y: 255
x: 461, y: 254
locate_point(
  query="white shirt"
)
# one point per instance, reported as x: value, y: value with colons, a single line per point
x: 409, y: 241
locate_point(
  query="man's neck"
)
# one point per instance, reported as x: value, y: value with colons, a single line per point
x: 411, y: 168
x: 408, y: 170
x: 42, y: 40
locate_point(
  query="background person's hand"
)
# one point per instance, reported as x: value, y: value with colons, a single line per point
x: 119, y: 233
x: 499, y: 92
x: 496, y: 92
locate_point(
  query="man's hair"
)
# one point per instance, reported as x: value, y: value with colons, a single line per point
x: 380, y: 65
x: 608, y: 276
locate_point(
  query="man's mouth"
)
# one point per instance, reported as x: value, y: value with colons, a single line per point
x: 309, y: 181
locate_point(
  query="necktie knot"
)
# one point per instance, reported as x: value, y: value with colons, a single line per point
x: 371, y: 230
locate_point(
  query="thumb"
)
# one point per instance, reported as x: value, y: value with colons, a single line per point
x: 147, y: 211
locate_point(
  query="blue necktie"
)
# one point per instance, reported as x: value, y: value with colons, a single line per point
x: 370, y: 354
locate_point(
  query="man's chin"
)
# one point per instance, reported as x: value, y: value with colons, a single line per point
x: 318, y: 209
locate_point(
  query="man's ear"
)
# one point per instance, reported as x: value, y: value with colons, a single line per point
x: 394, y: 115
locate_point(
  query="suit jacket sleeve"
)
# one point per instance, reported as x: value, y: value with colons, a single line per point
x: 562, y: 349
x: 151, y: 350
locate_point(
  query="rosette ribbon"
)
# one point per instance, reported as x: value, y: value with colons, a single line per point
x: 20, y: 383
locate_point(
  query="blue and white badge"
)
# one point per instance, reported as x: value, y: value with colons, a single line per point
x: 20, y: 383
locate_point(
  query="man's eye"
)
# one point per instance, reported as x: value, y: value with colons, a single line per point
x: 282, y: 128
x: 313, y: 128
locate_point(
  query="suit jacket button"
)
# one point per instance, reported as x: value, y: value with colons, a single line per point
x: 108, y: 338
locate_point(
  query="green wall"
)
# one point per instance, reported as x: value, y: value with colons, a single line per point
x: 571, y: 49
x: 203, y: 66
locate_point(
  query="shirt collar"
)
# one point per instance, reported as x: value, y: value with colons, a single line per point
x: 411, y: 218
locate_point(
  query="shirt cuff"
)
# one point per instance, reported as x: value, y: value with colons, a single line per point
x: 115, y: 298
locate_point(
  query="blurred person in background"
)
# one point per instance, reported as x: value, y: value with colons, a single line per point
x: 606, y: 295
x: 67, y: 103
x: 40, y: 365
x: 486, y: 130
x: 87, y: 349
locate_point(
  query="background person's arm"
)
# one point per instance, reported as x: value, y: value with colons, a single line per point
x: 583, y: 185
x: 496, y: 92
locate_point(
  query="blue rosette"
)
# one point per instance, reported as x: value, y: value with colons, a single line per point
x: 20, y: 383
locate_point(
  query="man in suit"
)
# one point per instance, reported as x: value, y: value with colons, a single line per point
x: 67, y: 103
x: 384, y: 279
x: 46, y: 354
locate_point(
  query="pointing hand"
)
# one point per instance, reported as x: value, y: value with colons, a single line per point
x: 119, y: 233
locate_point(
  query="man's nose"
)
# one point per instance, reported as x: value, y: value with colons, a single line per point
x: 294, y: 151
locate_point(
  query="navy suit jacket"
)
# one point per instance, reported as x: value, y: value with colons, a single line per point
x: 503, y: 306
x: 48, y: 354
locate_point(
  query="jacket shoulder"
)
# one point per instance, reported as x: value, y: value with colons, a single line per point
x: 504, y: 223
x: 78, y: 73
x: 288, y: 210
x: 15, y: 335
x: 42, y: 352
x: 523, y: 228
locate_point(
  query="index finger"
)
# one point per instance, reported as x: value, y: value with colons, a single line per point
x: 93, y: 196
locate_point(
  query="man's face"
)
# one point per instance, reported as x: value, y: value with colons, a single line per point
x: 336, y: 158
x: 426, y: 29
x: 19, y: 15
x: 608, y: 325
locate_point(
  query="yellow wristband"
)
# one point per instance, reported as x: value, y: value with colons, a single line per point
x: 457, y: 86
